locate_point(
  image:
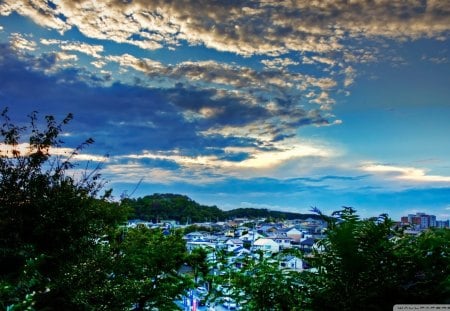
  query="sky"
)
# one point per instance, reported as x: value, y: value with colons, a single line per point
x: 285, y: 105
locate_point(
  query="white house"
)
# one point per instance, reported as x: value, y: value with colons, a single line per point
x: 190, y: 245
x: 266, y: 245
x: 292, y: 263
x: 232, y: 244
x: 250, y: 236
x: 196, y: 235
x: 282, y: 241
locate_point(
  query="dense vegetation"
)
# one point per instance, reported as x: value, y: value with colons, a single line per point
x: 62, y: 246
x: 181, y: 208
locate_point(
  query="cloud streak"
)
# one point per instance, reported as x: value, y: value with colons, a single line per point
x: 405, y: 173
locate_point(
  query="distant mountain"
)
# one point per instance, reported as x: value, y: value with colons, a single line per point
x: 157, y: 207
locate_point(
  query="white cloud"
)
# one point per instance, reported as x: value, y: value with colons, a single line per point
x: 85, y: 48
x: 324, y: 60
x: 267, y: 163
x: 350, y: 75
x: 50, y: 41
x: 98, y: 64
x: 39, y: 11
x: 269, y: 28
x: 436, y: 59
x: 140, y: 64
x: 324, y: 101
x: 20, y: 43
x: 66, y: 57
x: 411, y: 174
x: 24, y: 149
x: 89, y: 49
x: 277, y: 63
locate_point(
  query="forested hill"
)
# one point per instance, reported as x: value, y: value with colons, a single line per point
x: 158, y: 207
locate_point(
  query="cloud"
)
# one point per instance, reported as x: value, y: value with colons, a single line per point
x: 405, y: 173
x: 324, y: 60
x: 435, y: 59
x: 186, y: 118
x: 350, y: 75
x: 19, y: 43
x: 213, y: 93
x: 88, y: 49
x: 25, y: 149
x: 66, y: 57
x: 92, y: 50
x: 257, y: 27
x: 217, y: 99
x: 278, y: 63
x: 140, y: 64
x: 41, y: 13
x: 251, y: 162
x: 324, y: 101
x: 98, y: 64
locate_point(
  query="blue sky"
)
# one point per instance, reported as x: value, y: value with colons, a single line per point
x: 282, y: 105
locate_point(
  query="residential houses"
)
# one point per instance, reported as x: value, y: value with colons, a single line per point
x: 267, y: 245
x: 292, y: 262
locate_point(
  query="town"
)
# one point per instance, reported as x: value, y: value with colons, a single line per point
x: 288, y: 243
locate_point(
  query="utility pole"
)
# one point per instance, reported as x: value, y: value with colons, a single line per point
x: 253, y: 237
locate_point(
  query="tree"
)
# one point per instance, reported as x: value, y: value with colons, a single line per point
x: 262, y: 285
x: 424, y: 267
x: 51, y: 222
x: 368, y: 265
x: 147, y: 267
x: 197, y: 261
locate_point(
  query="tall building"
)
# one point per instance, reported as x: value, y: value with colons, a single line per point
x: 443, y: 223
x: 419, y: 220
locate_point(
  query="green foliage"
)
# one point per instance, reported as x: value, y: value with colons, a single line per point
x: 158, y: 207
x: 147, y: 266
x: 197, y: 261
x: 367, y: 265
x: 47, y: 217
x: 425, y: 266
x: 61, y: 246
x: 194, y: 228
x: 262, y: 285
